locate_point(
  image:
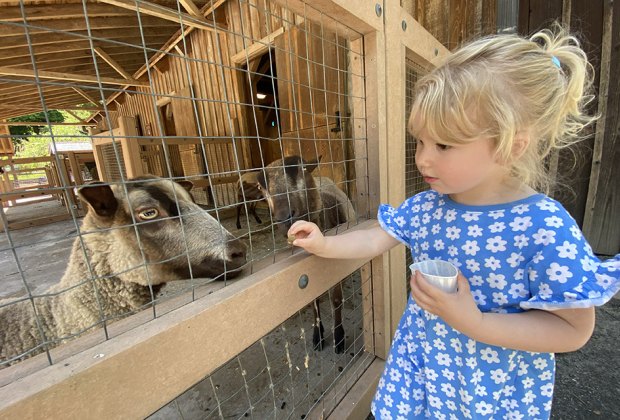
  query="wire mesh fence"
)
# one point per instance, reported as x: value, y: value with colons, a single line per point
x: 212, y: 128
x: 281, y: 376
x: 414, y: 183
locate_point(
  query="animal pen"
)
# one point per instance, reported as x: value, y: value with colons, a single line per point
x: 208, y: 92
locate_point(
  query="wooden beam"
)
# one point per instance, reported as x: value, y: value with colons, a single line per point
x: 174, y: 40
x: 80, y: 119
x: 58, y: 11
x: 162, y: 13
x: 256, y: 49
x: 98, y: 23
x: 68, y: 77
x: 42, y: 123
x: 191, y: 8
x: 101, y: 53
x: 87, y: 96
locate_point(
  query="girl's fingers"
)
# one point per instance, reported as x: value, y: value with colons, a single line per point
x: 462, y: 284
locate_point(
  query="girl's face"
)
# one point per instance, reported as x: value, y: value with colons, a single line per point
x: 469, y: 173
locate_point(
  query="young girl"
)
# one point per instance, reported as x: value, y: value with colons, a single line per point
x: 484, y: 122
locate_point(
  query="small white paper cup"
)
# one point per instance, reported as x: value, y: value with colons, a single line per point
x: 439, y: 273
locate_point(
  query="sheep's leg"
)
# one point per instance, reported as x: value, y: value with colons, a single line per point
x: 239, y: 215
x: 318, y: 336
x: 253, y: 208
x: 339, y: 341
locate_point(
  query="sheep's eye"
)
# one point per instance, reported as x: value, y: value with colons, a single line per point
x: 148, y: 214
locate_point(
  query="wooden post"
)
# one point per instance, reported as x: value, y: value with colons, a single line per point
x: 129, y: 145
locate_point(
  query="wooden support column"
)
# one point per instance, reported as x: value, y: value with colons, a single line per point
x: 130, y: 146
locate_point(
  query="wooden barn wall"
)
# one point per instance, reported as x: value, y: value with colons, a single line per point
x: 218, y: 110
x: 588, y: 183
x: 453, y: 22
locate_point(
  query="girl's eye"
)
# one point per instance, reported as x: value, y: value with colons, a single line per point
x: 443, y: 146
x: 148, y: 214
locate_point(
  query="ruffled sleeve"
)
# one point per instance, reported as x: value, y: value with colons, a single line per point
x: 565, y: 274
x: 398, y: 221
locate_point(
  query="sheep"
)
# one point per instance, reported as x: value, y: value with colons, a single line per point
x: 293, y: 193
x: 127, y: 263
x: 248, y: 194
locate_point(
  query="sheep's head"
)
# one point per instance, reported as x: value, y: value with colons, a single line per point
x: 158, y: 218
x: 289, y: 187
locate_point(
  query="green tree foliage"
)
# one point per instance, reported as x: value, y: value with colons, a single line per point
x: 38, y: 144
x: 22, y: 133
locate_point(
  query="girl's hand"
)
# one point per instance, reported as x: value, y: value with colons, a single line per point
x: 458, y: 309
x: 307, y: 236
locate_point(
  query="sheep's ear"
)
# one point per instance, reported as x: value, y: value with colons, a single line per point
x: 187, y: 185
x: 100, y: 198
x: 311, y: 165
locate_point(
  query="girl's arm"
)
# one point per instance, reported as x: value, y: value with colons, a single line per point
x: 534, y: 330
x: 356, y: 244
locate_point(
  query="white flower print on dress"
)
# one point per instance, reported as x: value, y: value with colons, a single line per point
x: 496, y: 244
x: 470, y: 247
x: 521, y: 224
x: 544, y: 237
x: 554, y: 221
x: 559, y: 273
x: 520, y: 209
x: 474, y: 231
x: 517, y: 290
x: 403, y: 408
x: 537, y: 259
x: 472, y: 265
x: 515, y: 259
x: 492, y: 263
x: 484, y: 408
x: 497, y: 227
x: 497, y: 214
x: 497, y: 281
x: 499, y: 376
x: 476, y: 281
x: 499, y: 298
x: 453, y: 232
x: 588, y: 264
x: 471, y: 216
x: 521, y: 241
x: 548, y: 205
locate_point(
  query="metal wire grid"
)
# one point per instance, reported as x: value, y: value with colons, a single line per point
x: 281, y: 376
x: 413, y: 179
x: 160, y: 152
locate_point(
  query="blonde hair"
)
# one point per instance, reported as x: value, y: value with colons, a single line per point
x: 503, y: 85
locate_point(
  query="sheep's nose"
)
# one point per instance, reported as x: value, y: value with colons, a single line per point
x: 236, y: 253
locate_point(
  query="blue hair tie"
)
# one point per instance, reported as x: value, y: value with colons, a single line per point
x: 556, y: 61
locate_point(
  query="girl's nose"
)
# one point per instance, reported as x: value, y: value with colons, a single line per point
x: 422, y: 157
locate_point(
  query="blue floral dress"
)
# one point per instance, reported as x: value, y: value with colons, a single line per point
x: 527, y: 254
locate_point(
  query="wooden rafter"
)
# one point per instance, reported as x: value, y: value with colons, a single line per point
x: 80, y: 119
x: 116, y: 66
x: 191, y: 8
x: 98, y: 23
x: 68, y: 77
x: 87, y: 96
x: 162, y: 13
x: 176, y: 38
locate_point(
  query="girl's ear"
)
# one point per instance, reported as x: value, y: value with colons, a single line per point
x: 520, y: 144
